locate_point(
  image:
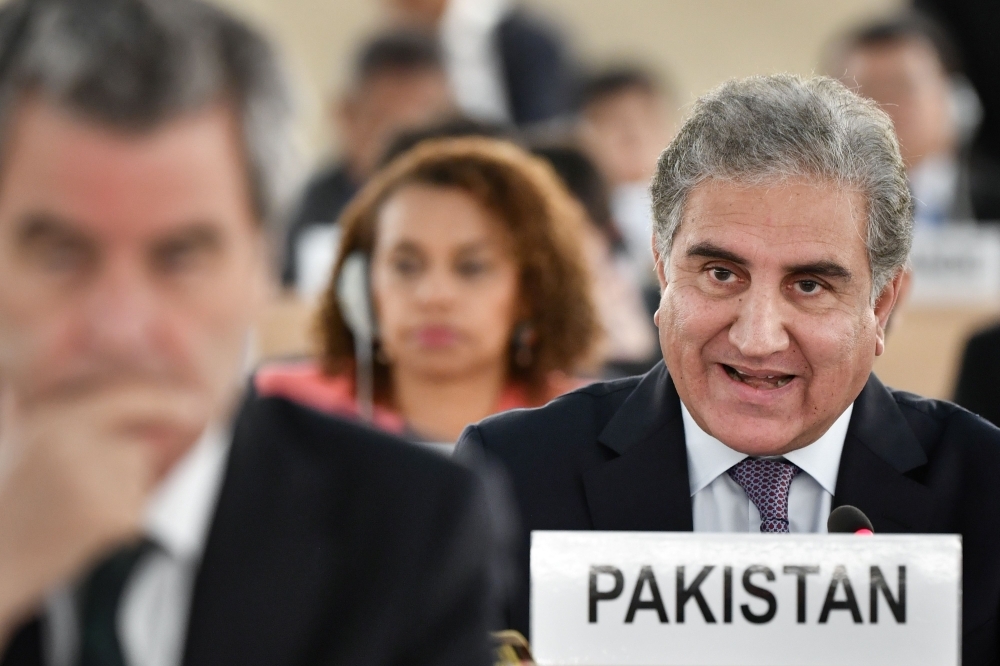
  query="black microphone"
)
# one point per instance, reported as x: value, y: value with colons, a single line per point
x: 849, y: 519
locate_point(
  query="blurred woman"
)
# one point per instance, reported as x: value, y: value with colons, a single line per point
x: 479, y: 289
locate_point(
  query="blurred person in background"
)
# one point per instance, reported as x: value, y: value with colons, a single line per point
x: 628, y: 341
x: 628, y: 344
x: 145, y: 517
x: 398, y: 84
x: 480, y: 293
x: 978, y: 385
x: 626, y: 118
x: 505, y: 65
x: 974, y: 26
x: 453, y: 128
x: 908, y: 64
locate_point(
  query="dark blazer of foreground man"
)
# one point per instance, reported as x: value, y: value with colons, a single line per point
x: 332, y: 544
x: 150, y: 514
x: 769, y: 331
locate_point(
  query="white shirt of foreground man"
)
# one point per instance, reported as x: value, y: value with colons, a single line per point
x: 719, y: 504
x: 153, y: 616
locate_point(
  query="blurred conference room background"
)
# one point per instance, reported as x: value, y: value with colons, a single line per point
x: 692, y: 45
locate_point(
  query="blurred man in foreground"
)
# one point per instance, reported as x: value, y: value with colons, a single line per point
x: 398, y: 85
x: 783, y: 223
x: 143, y: 521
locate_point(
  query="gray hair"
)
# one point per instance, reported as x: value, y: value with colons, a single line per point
x: 766, y: 128
x: 135, y: 64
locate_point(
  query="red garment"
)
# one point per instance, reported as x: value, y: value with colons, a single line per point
x: 305, y: 383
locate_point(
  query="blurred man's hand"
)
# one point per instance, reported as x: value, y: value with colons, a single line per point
x: 75, y: 472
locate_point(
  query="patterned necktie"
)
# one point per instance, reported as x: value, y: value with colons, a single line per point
x: 100, y: 598
x: 766, y: 482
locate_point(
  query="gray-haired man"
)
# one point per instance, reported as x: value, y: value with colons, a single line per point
x: 144, y: 145
x: 783, y: 222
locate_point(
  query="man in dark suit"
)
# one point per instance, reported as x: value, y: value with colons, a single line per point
x: 398, y: 85
x: 144, y: 519
x: 977, y: 388
x: 506, y: 64
x: 783, y: 222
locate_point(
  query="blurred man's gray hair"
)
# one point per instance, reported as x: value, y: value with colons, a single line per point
x: 135, y: 64
x: 764, y: 129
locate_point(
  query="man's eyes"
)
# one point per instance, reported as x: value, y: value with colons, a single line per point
x: 808, y: 286
x: 721, y: 274
x: 177, y: 258
x: 62, y: 257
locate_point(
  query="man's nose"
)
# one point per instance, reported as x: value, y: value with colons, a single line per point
x: 119, y: 311
x: 760, y: 326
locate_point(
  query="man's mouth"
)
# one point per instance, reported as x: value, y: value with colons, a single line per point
x: 758, y: 380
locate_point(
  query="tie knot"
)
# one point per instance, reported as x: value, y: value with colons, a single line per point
x: 766, y: 482
x: 100, y: 597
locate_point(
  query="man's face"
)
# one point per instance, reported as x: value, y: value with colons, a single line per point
x: 624, y: 133
x: 127, y: 260
x: 385, y: 106
x: 906, y: 79
x: 766, y: 322
x: 422, y: 13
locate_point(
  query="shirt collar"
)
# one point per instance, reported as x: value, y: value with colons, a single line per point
x: 180, y: 511
x: 708, y: 458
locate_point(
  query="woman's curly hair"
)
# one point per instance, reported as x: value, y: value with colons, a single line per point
x: 544, y: 222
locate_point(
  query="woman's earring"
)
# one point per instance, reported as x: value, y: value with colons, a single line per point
x: 524, y: 341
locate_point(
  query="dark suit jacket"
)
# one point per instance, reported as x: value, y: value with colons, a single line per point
x: 978, y: 388
x: 539, y: 74
x: 612, y: 456
x: 324, y: 198
x: 334, y: 544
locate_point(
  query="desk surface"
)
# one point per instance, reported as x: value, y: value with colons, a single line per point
x: 924, y: 346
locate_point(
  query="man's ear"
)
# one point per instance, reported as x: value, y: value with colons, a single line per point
x: 887, y: 300
x: 661, y: 268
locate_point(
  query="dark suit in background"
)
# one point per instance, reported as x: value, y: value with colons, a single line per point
x: 978, y: 386
x: 334, y: 544
x: 324, y: 198
x: 612, y: 456
x: 539, y: 74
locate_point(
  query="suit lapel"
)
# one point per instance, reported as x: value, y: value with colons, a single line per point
x: 879, y: 451
x: 25, y: 648
x: 268, y: 564
x: 644, y: 485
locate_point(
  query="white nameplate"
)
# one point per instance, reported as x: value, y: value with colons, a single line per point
x: 956, y: 264
x: 683, y: 599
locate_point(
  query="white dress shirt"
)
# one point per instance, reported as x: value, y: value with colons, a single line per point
x: 631, y: 208
x: 719, y: 504
x: 473, y: 60
x: 934, y: 183
x: 153, y: 613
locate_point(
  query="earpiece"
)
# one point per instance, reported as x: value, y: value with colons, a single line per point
x: 354, y: 300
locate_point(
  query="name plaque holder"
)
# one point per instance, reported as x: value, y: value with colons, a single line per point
x: 957, y: 264
x: 694, y: 599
